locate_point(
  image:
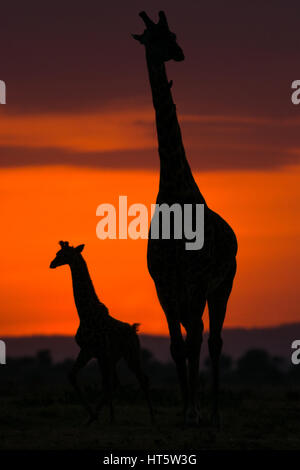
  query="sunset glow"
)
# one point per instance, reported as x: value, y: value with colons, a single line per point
x: 41, y: 206
x: 78, y: 130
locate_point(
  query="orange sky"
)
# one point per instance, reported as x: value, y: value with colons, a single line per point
x: 78, y: 130
x: 42, y: 205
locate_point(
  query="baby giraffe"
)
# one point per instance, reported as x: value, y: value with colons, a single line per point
x: 99, y: 335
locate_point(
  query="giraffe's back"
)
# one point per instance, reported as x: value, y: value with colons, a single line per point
x: 102, y: 333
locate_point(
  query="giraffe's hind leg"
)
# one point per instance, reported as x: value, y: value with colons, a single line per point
x: 217, y: 304
x: 82, y: 359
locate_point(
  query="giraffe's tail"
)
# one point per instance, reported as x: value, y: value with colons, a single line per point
x: 135, y: 327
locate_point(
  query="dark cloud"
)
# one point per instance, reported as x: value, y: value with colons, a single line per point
x: 241, y: 58
x: 209, y: 146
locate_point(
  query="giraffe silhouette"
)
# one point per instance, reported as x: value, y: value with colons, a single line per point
x: 99, y: 335
x: 185, y: 280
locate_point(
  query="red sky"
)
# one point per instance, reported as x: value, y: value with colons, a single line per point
x: 43, y: 205
x: 78, y: 131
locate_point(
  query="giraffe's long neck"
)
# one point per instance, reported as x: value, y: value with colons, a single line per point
x: 175, y: 172
x: 85, y: 296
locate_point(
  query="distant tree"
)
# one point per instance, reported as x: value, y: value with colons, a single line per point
x: 258, y: 365
x: 147, y: 356
x: 44, y: 358
x: 226, y: 363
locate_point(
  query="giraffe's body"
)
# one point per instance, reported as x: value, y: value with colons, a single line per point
x: 185, y: 280
x: 99, y: 335
x: 96, y: 324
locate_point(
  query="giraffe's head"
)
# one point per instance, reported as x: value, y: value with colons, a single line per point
x: 66, y: 254
x: 159, y: 41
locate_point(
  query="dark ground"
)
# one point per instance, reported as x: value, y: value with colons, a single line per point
x: 38, y: 409
x: 265, y: 419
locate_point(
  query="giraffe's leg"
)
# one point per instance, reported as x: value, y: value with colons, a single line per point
x: 194, y: 329
x: 217, y: 304
x: 178, y: 353
x: 83, y: 358
x: 108, y: 376
x: 168, y: 297
x: 133, y: 359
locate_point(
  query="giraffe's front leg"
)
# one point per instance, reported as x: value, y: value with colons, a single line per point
x: 109, y: 378
x: 194, y: 333
x: 178, y: 353
x: 83, y: 358
x: 193, y: 345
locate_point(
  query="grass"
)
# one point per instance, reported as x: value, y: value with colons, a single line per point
x: 48, y: 419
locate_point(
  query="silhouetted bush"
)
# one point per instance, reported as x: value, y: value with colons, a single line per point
x: 254, y: 367
x: 258, y: 366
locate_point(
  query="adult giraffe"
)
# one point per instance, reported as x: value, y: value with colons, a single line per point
x: 185, y: 280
